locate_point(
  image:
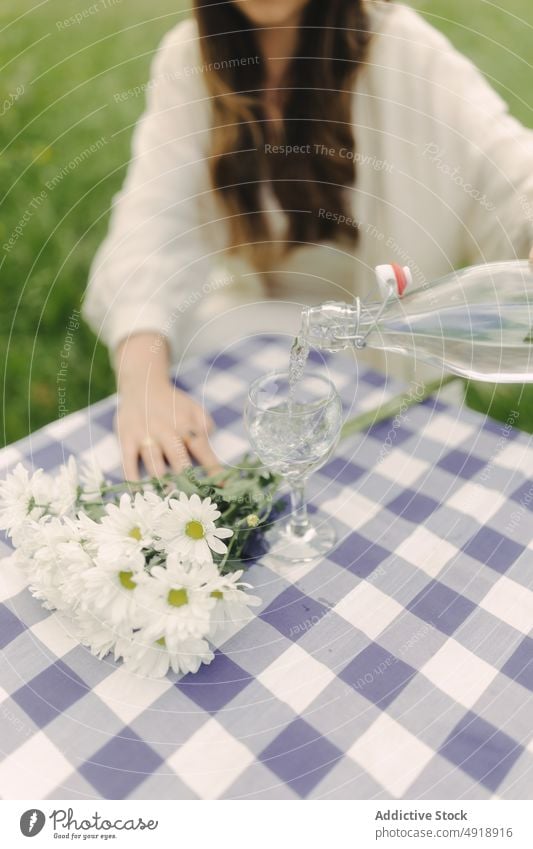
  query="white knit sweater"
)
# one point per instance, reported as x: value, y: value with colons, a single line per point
x: 444, y: 179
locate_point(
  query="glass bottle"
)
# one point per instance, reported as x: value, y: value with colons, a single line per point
x: 476, y: 322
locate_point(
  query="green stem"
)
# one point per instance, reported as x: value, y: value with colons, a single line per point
x: 231, y: 545
x: 394, y: 406
x: 117, y: 487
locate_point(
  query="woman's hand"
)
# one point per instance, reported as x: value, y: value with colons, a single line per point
x: 155, y: 421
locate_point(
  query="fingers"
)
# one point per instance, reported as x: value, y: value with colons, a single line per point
x: 129, y: 452
x: 152, y: 457
x: 531, y: 255
x: 167, y: 428
x: 195, y: 437
x: 178, y: 450
x: 155, y: 456
x: 130, y: 455
x: 204, y: 421
x: 176, y: 453
x: 199, y: 447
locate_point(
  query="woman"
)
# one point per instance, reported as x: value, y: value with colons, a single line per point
x: 288, y: 147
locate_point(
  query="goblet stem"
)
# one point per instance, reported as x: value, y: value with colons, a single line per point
x: 299, y: 521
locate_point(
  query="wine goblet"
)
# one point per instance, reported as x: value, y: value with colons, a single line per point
x: 294, y: 429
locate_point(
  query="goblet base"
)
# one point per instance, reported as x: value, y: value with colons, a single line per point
x: 317, y: 540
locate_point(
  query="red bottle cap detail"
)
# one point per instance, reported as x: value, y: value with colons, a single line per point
x: 393, y: 279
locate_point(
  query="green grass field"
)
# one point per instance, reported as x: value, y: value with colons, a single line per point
x: 61, y: 125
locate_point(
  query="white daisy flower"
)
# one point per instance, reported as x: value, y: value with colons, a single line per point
x: 128, y: 527
x: 177, y: 602
x: 92, y: 479
x: 19, y: 560
x: 233, y: 603
x: 109, y: 588
x: 98, y: 636
x: 29, y: 536
x: 23, y: 497
x: 153, y: 660
x: 56, y: 557
x: 190, y: 529
x: 73, y: 564
x: 66, y: 488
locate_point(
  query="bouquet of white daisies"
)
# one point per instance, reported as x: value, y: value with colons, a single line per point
x: 150, y: 571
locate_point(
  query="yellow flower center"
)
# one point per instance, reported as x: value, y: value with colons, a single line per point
x: 161, y: 642
x: 177, y: 598
x: 217, y: 594
x: 125, y: 580
x: 194, y: 529
x: 135, y: 533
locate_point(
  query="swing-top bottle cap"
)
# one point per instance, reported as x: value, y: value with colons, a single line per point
x: 393, y: 279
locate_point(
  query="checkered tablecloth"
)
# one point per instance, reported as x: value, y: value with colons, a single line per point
x: 398, y: 667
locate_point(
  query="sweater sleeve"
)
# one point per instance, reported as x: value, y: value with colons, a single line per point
x: 473, y: 157
x: 155, y: 254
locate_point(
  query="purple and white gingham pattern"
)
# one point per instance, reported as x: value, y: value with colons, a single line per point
x: 401, y: 666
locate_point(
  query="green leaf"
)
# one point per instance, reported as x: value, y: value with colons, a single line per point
x: 393, y: 407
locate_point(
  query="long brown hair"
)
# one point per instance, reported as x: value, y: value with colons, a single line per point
x: 333, y: 41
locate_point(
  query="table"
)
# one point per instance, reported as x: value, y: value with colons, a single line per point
x: 398, y: 667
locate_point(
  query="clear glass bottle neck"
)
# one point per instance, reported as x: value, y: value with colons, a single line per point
x: 335, y: 325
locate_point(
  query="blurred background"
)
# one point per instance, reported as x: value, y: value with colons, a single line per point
x: 66, y: 116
